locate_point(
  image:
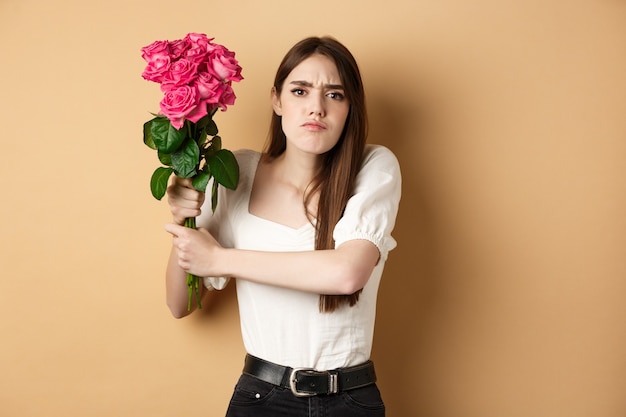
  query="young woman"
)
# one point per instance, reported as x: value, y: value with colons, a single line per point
x: 305, y: 236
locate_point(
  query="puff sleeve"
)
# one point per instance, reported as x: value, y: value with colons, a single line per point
x: 371, y: 212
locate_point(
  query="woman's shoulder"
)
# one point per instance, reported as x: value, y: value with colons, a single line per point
x: 248, y: 160
x: 381, y: 157
x: 246, y: 155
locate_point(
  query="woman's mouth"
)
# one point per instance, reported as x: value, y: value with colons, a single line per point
x: 314, y: 126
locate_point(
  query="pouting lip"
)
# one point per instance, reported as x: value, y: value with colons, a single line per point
x: 314, y: 124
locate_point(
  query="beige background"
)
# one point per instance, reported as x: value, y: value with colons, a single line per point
x: 505, y: 295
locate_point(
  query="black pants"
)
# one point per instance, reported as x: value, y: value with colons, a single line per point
x: 256, y: 398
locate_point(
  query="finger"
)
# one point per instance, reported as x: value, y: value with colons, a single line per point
x: 184, y: 192
x: 174, y: 229
x: 183, y: 182
x: 185, y: 197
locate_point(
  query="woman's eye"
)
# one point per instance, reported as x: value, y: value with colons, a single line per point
x: 336, y: 96
x: 298, y: 91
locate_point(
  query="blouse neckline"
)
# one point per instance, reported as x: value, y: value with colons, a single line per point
x: 255, y: 165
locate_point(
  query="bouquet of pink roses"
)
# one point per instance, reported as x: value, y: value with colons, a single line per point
x: 196, y: 78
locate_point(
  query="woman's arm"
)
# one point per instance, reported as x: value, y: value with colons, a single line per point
x: 369, y: 217
x: 184, y: 201
x: 344, y: 270
x: 334, y: 271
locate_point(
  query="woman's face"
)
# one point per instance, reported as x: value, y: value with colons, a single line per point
x: 312, y: 105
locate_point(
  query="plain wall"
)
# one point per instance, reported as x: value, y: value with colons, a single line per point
x: 505, y: 294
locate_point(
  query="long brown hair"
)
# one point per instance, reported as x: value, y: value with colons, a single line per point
x: 335, y: 180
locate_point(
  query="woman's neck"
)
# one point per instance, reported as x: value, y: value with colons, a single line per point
x: 280, y: 190
x: 296, y: 169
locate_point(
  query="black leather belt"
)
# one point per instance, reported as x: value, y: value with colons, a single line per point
x: 306, y: 382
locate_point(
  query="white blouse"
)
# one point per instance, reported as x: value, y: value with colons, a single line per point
x: 285, y: 326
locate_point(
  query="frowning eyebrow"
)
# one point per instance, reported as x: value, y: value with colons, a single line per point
x: 325, y: 86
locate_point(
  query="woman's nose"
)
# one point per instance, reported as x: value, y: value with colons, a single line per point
x: 316, y: 105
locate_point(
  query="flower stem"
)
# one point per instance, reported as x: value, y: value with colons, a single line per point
x: 193, y: 282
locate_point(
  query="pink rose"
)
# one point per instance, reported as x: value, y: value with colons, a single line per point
x: 218, y: 50
x: 200, y: 111
x: 157, y: 56
x: 180, y: 102
x: 197, y: 55
x: 209, y: 87
x: 199, y: 46
x: 198, y: 40
x: 225, y: 67
x: 154, y: 50
x: 155, y: 71
x: 227, y: 98
x: 215, y: 92
x: 181, y: 72
x: 195, y: 75
x: 178, y: 48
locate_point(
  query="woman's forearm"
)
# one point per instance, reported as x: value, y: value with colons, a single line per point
x: 176, y: 289
x: 336, y: 271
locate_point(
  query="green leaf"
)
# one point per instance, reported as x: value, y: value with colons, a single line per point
x: 185, y: 160
x: 165, y: 136
x: 202, y: 139
x: 147, y: 135
x: 224, y: 168
x: 211, y: 128
x: 165, y: 158
x: 207, y: 123
x: 214, y: 196
x: 200, y: 181
x: 158, y: 182
x: 216, y: 143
